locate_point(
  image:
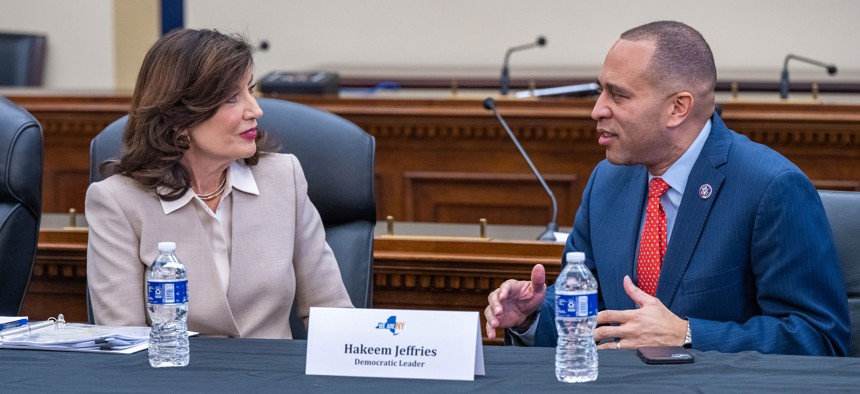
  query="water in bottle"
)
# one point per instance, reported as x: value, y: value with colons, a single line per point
x: 575, y: 320
x: 167, y: 304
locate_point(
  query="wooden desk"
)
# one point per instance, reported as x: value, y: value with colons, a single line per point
x: 448, y: 160
x: 408, y: 272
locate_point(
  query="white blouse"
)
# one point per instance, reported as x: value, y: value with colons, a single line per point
x: 218, y: 225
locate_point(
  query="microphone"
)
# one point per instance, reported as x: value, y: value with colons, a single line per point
x: 783, y: 81
x: 551, y: 227
x: 505, y: 80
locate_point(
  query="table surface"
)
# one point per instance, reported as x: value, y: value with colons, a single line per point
x: 257, y: 365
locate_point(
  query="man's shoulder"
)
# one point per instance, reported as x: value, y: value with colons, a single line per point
x: 732, y: 152
x: 753, y: 157
x: 751, y: 168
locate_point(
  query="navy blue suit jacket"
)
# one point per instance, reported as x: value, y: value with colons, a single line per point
x: 753, y: 267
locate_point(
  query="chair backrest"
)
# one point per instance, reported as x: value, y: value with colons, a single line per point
x: 843, y: 212
x: 338, y: 159
x: 20, y: 202
x: 22, y: 59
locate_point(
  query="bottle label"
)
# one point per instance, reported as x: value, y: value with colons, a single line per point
x: 579, y: 305
x: 167, y: 292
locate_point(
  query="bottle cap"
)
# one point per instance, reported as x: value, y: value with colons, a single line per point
x: 575, y: 257
x: 166, y: 246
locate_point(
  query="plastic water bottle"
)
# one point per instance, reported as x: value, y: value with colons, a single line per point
x: 575, y: 320
x: 167, y: 304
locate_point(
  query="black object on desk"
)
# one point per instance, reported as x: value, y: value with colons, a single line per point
x: 664, y: 355
x: 314, y: 83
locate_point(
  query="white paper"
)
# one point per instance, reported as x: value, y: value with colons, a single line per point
x: 75, y: 337
x: 394, y: 343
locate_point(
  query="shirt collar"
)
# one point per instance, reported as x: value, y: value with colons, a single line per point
x: 677, y: 174
x: 239, y: 177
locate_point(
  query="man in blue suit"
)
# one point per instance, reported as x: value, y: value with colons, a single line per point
x: 749, y: 263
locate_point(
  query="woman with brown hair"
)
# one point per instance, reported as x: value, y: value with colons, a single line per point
x: 194, y: 171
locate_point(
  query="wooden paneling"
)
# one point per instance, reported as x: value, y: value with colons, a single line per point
x: 457, y: 137
x: 59, y: 280
x: 450, y: 197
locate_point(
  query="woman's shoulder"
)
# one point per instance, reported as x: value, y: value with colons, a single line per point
x: 117, y: 184
x: 119, y: 192
x: 114, y: 182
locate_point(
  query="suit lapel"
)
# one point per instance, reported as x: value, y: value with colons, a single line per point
x: 621, y: 226
x: 243, y: 275
x: 633, y: 216
x: 204, y: 279
x: 694, y: 210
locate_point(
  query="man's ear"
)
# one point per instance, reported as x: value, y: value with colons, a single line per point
x: 681, y: 107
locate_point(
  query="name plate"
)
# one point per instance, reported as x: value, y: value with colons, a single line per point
x: 393, y: 343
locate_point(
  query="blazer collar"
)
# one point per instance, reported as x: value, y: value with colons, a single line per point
x: 716, y: 149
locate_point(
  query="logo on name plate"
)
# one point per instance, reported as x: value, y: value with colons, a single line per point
x: 391, y: 325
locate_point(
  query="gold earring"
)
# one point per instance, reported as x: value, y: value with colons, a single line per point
x: 183, y: 140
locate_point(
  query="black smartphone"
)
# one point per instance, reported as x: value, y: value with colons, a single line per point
x: 664, y: 355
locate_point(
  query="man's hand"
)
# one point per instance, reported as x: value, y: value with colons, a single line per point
x: 651, y: 325
x: 514, y: 300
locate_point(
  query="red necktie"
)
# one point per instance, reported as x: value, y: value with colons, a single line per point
x: 652, y: 245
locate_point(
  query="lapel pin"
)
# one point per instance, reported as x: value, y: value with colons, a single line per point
x: 705, y: 191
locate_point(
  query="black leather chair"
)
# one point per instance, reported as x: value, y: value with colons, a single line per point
x: 20, y: 202
x: 338, y: 159
x: 22, y: 59
x: 843, y: 212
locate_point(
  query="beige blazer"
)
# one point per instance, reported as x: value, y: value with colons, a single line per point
x: 278, y: 254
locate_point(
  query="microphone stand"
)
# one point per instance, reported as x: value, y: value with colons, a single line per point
x: 551, y: 227
x: 783, y: 80
x: 505, y: 79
